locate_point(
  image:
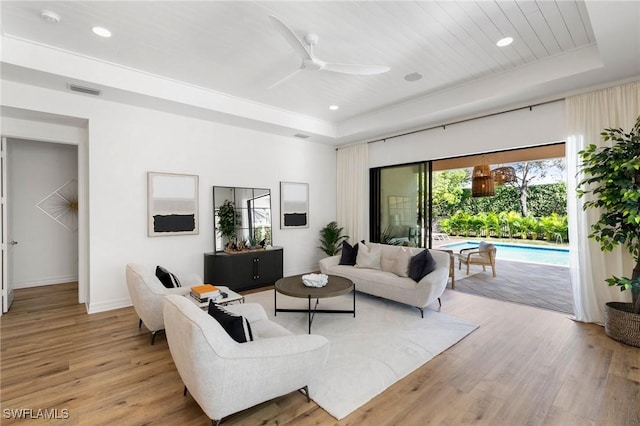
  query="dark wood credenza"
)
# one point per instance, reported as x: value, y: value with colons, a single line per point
x: 244, y: 271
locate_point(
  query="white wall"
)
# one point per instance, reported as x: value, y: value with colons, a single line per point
x: 46, y: 253
x: 542, y: 125
x: 124, y: 143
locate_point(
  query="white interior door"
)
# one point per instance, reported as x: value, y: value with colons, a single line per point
x: 7, y: 291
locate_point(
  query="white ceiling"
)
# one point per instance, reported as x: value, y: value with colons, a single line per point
x: 230, y: 53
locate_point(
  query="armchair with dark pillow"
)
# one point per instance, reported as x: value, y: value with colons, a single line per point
x: 224, y: 376
x: 147, y: 291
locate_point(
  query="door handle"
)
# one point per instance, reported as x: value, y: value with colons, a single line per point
x: 13, y: 243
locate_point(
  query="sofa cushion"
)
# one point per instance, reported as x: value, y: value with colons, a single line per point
x: 167, y: 279
x: 400, y: 263
x: 235, y: 325
x: 421, y: 265
x: 368, y: 256
x: 349, y: 254
x: 364, y: 278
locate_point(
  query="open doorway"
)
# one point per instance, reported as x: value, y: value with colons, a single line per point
x: 41, y: 212
x: 525, y: 221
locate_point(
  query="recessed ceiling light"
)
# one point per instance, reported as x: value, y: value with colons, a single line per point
x: 414, y: 76
x: 50, y: 16
x: 101, y: 31
x: 504, y: 41
x: 334, y: 107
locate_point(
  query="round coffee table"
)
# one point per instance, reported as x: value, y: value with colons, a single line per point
x: 293, y: 286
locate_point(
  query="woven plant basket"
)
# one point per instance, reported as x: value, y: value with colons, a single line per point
x: 621, y: 324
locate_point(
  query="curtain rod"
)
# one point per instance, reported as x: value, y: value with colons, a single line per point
x: 444, y: 126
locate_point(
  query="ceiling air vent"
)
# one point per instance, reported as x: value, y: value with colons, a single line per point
x: 301, y: 135
x: 85, y: 90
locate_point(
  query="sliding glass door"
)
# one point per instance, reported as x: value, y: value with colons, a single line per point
x: 399, y: 204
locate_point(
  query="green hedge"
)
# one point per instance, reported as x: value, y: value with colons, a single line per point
x: 508, y: 224
x: 543, y: 200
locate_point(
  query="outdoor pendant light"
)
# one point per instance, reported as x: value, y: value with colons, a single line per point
x: 502, y: 175
x: 482, y: 182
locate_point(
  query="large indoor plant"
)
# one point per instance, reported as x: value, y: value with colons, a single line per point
x: 331, y: 239
x: 612, y: 177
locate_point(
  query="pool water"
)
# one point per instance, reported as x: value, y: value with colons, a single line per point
x: 520, y: 253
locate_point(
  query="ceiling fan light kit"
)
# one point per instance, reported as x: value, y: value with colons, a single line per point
x: 304, y: 48
x: 49, y: 16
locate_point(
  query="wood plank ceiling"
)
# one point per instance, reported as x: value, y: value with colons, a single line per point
x: 231, y: 47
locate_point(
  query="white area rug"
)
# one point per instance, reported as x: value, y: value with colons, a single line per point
x: 384, y: 343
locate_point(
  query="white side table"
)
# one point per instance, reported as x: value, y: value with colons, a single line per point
x: 231, y: 297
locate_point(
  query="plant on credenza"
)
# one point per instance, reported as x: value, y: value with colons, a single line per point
x: 226, y: 222
x: 612, y: 177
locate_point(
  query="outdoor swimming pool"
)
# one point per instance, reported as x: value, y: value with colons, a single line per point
x: 520, y: 253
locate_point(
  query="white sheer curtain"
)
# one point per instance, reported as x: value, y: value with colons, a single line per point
x: 352, y: 191
x: 586, y: 116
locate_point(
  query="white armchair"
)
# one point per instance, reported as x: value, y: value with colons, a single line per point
x: 147, y: 292
x: 224, y: 376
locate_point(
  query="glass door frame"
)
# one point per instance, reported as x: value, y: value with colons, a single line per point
x: 424, y: 203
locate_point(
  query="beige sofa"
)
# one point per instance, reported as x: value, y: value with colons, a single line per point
x: 384, y: 283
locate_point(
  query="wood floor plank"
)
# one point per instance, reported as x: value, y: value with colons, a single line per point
x: 522, y: 366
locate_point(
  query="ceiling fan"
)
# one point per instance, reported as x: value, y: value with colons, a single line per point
x: 304, y: 48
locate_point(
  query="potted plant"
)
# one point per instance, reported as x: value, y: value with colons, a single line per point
x: 612, y: 177
x: 331, y: 239
x: 226, y: 222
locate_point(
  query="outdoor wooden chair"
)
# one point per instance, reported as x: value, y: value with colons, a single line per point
x: 484, y: 255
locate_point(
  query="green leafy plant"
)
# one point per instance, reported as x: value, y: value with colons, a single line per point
x: 252, y: 242
x: 386, y: 235
x: 612, y: 178
x: 532, y: 225
x: 226, y: 221
x: 460, y: 223
x: 445, y: 225
x: 331, y: 239
x: 492, y: 224
x: 477, y: 223
x: 513, y: 220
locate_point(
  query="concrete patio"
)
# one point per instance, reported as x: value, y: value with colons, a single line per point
x: 543, y: 286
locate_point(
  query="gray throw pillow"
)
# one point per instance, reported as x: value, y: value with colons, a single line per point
x: 421, y: 265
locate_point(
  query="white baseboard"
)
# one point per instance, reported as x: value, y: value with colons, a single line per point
x: 108, y: 305
x: 47, y: 281
x: 303, y: 270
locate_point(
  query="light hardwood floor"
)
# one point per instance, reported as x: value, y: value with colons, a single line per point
x: 523, y: 366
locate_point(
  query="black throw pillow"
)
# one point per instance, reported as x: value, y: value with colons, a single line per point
x: 167, y: 279
x: 235, y: 325
x: 421, y: 265
x: 349, y: 254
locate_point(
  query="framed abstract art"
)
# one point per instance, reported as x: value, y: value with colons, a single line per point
x: 172, y: 204
x: 294, y: 205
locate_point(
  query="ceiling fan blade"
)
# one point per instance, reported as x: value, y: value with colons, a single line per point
x: 282, y: 80
x: 356, y: 69
x: 293, y: 40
